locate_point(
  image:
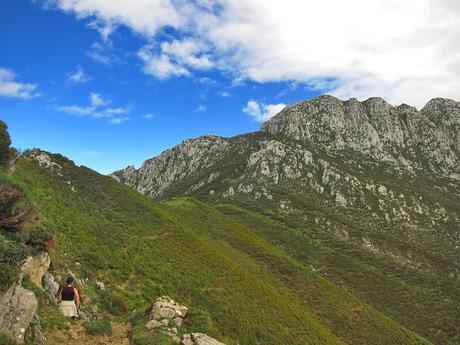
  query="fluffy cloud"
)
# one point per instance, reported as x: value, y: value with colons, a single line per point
x: 161, y: 65
x: 174, y: 58
x: 401, y: 50
x: 79, y: 76
x: 262, y: 112
x: 98, y: 108
x: 9, y: 87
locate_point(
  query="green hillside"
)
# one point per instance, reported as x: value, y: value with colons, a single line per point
x: 240, y: 288
x: 393, y: 240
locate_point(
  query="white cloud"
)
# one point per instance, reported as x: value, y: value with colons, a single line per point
x: 174, y: 58
x: 102, y: 53
x: 118, y: 120
x: 148, y: 116
x: 79, y: 76
x: 188, y: 52
x: 98, y: 108
x: 401, y: 50
x: 96, y: 100
x: 143, y: 16
x: 224, y: 94
x: 160, y: 66
x: 9, y: 87
x: 262, y: 112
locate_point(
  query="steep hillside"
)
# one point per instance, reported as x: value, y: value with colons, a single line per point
x: 239, y: 287
x: 365, y: 193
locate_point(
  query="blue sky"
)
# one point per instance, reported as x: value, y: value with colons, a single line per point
x: 110, y: 84
x: 47, y: 47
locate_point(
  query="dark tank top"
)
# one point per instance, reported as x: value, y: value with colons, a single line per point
x: 68, y: 294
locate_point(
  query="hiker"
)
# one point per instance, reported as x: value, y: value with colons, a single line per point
x: 69, y: 299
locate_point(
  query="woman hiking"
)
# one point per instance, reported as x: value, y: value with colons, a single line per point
x: 69, y: 299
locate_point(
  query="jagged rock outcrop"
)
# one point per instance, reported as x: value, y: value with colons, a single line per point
x: 17, y: 310
x: 166, y: 308
x: 164, y: 311
x: 174, y: 165
x: 199, y: 339
x: 36, y: 266
x: 44, y: 159
x: 374, y: 127
x: 373, y: 130
x: 50, y: 285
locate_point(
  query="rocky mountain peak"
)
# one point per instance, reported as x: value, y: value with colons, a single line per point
x: 373, y: 127
x: 174, y: 164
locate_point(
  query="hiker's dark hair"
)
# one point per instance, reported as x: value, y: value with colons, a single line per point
x: 70, y: 280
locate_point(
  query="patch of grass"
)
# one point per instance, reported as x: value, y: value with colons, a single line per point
x: 98, y: 327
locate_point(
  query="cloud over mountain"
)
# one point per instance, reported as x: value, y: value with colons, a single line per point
x: 402, y: 50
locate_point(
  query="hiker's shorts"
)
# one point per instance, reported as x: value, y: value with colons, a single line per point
x: 68, y: 308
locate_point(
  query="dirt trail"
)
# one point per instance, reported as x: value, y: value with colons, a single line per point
x: 77, y: 335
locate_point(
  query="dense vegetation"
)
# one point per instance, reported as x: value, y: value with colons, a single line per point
x: 240, y: 287
x: 15, y: 209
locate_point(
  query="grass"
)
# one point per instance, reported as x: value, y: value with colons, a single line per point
x: 240, y: 287
x: 98, y: 327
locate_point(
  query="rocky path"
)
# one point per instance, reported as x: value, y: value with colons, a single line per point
x: 77, y: 335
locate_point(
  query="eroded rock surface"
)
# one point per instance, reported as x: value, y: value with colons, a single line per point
x: 17, y: 310
x: 166, y: 308
x: 36, y: 266
x: 199, y: 339
x: 50, y: 285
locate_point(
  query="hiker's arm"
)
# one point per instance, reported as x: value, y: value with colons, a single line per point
x: 60, y: 296
x: 77, y: 297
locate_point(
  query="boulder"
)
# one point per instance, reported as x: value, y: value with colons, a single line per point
x: 17, y: 310
x: 199, y: 339
x: 152, y: 324
x: 50, y: 285
x: 187, y: 340
x: 36, y: 266
x: 165, y: 308
x: 100, y: 286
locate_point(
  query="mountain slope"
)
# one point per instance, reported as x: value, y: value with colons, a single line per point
x: 366, y: 193
x: 240, y: 288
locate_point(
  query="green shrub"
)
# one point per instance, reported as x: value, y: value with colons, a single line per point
x: 6, y: 153
x: 113, y: 303
x: 11, y: 255
x: 198, y: 320
x: 98, y: 327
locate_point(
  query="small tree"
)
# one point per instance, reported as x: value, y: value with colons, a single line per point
x: 7, y: 154
x: 15, y: 209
